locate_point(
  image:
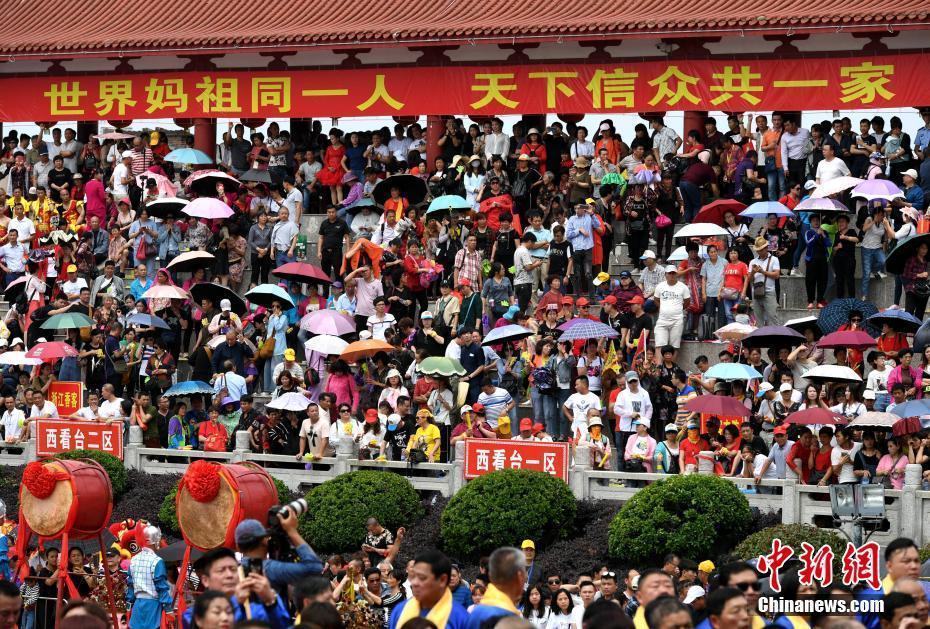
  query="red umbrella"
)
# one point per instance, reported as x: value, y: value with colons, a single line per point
x: 51, y: 351
x: 814, y: 416
x: 495, y: 206
x: 717, y: 405
x: 713, y: 212
x: 850, y: 339
x: 906, y: 426
x: 302, y: 272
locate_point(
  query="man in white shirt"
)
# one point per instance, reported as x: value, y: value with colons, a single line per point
x: 831, y: 166
x: 13, y: 421
x: 42, y: 407
x: 664, y: 140
x: 122, y: 175
x: 23, y: 225
x: 577, y: 405
x: 314, y: 434
x: 234, y: 384
x: 497, y: 402
x: 72, y: 286
x: 283, y: 238
x: 632, y: 403
x: 112, y: 407
x: 525, y: 265
x: 399, y: 145
x: 672, y: 298
x: 381, y: 320
x: 764, y: 268
x: 497, y: 142
x: 12, y: 257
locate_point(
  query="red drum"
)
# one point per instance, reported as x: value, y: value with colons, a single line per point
x: 64, y: 496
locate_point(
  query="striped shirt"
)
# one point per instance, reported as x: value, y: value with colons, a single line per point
x: 468, y: 264
x: 494, y: 405
x: 141, y: 160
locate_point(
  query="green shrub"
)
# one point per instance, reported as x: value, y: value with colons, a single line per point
x: 337, y: 509
x: 695, y: 516
x: 111, y: 465
x: 924, y: 553
x: 503, y: 508
x: 760, y: 543
x: 168, y: 514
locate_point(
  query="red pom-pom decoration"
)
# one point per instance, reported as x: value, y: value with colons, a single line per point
x: 39, y: 480
x: 203, y: 481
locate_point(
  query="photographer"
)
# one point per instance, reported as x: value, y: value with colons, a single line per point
x: 252, y: 539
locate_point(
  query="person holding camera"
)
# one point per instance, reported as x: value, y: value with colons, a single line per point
x: 252, y: 540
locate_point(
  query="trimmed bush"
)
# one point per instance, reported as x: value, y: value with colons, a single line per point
x: 760, y: 543
x: 503, y: 508
x: 924, y: 553
x: 111, y: 465
x: 695, y: 516
x: 337, y: 509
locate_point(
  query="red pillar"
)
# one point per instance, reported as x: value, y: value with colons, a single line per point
x: 87, y: 128
x: 694, y: 121
x: 205, y: 136
x: 435, y: 125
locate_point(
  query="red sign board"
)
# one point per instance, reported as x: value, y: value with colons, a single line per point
x: 60, y: 435
x: 483, y: 456
x: 68, y: 397
x: 620, y: 86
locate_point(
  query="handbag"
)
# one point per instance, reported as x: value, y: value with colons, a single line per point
x: 119, y: 363
x: 266, y: 351
x: 662, y: 221
x: 729, y: 294
x: 142, y: 250
x: 921, y: 287
x: 758, y: 288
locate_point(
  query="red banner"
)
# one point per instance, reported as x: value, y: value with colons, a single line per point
x: 58, y: 435
x: 483, y: 456
x: 894, y: 80
x: 68, y: 397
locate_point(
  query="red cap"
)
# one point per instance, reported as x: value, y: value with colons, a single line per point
x: 610, y: 299
x: 477, y: 407
x: 780, y: 430
x: 526, y: 424
x: 538, y: 428
x: 637, y: 300
x: 371, y: 416
x: 582, y: 301
x: 567, y: 301
x: 464, y: 282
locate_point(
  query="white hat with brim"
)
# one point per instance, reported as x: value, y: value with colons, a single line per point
x: 910, y: 172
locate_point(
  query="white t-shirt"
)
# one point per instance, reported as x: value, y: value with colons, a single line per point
x: 672, y: 296
x: 769, y: 264
x: 111, y: 410
x: 314, y: 432
x: 13, y: 257
x: 11, y: 423
x: 846, y: 473
x: 579, y: 405
x: 827, y: 170
x: 48, y: 410
x: 24, y: 227
x: 87, y: 413
x: 338, y: 432
x: 73, y: 288
x: 378, y: 326
x: 120, y: 172
x: 877, y: 381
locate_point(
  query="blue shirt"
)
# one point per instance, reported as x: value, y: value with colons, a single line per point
x: 137, y: 288
x: 281, y: 573
x: 275, y: 615
x: 573, y: 227
x: 915, y: 196
x: 458, y: 619
x: 542, y: 235
x: 277, y: 328
x: 480, y: 614
x: 922, y: 138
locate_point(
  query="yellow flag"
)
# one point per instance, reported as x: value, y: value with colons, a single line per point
x: 612, y: 361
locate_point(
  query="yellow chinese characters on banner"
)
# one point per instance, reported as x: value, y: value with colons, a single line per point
x: 765, y: 84
x: 68, y: 397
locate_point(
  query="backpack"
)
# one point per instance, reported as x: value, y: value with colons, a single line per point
x: 544, y: 380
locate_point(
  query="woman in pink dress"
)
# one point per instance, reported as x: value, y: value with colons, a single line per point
x: 333, y: 166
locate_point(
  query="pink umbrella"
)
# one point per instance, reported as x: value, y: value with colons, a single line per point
x: 208, y: 207
x: 165, y: 291
x: 163, y: 184
x: 327, y: 322
x: 835, y: 186
x: 114, y: 135
x: 51, y: 351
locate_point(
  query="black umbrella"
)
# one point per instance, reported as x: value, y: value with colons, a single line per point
x: 174, y: 553
x: 411, y: 188
x: 216, y: 293
x: 803, y: 323
x: 899, y: 256
x: 773, y: 336
x: 258, y: 176
x: 921, y: 338
x: 167, y: 208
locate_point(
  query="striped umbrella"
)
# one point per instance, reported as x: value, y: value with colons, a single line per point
x: 578, y: 329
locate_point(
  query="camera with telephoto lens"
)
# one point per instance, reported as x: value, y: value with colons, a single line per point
x: 279, y: 546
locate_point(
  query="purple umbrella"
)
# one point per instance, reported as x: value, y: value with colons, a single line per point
x: 810, y: 204
x: 773, y: 336
x: 207, y: 207
x: 327, y: 322
x: 877, y: 189
x: 580, y: 328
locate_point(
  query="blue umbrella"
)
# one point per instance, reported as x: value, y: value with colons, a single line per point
x: 448, y: 202
x: 580, y: 328
x: 189, y: 156
x: 899, y: 320
x: 266, y: 294
x: 837, y: 313
x: 506, y: 333
x: 762, y: 209
x: 732, y: 371
x: 913, y: 408
x: 190, y: 387
x: 147, y: 321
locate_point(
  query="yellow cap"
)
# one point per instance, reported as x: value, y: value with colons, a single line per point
x: 289, y: 354
x: 707, y: 566
x: 528, y: 543
x: 71, y: 268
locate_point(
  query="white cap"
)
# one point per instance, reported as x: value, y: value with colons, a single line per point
x: 868, y: 394
x: 648, y: 253
x: 694, y: 592
x: 16, y: 341
x: 810, y: 184
x: 465, y: 409
x: 785, y: 386
x: 910, y: 172
x: 671, y: 428
x: 671, y: 268
x: 225, y: 304
x: 765, y: 386
x: 126, y: 154
x: 595, y: 421
x: 643, y: 422
x: 364, y: 335
x: 426, y: 314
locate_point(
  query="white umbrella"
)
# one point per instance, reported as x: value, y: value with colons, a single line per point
x: 18, y: 358
x: 216, y: 341
x: 189, y: 260
x: 291, y: 401
x: 874, y: 419
x: 835, y: 186
x: 734, y: 331
x: 832, y: 373
x: 326, y: 344
x: 680, y: 254
x: 700, y: 230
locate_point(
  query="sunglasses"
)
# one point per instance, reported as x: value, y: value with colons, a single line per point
x: 745, y: 586
x: 555, y: 581
x: 344, y: 410
x: 612, y: 575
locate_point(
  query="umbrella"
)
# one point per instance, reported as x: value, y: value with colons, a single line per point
x: 872, y: 189
x: 326, y: 344
x: 579, y: 329
x: 835, y: 186
x: 190, y: 261
x: 899, y: 256
x: 441, y: 366
x: 189, y: 387
x: 832, y: 373
x: 302, y: 272
x: 328, y: 322
x: 166, y: 208
x: 165, y: 291
x: 762, y: 209
x: 67, y: 320
x: 874, y: 419
x: 51, y: 351
x: 732, y: 371
x: 164, y: 185
x: 18, y: 358
x: 363, y: 349
x: 837, y: 313
x: 812, y: 204
x: 734, y: 331
x: 114, y: 135
x: 921, y: 338
x: 208, y: 207
x: 290, y: 401
x: 773, y: 336
x: 411, y: 188
x: 204, y: 182
x: 907, y: 426
x: 700, y: 230
x: 912, y: 408
x: 852, y: 339
x: 147, y: 321
x: 681, y: 253
x: 803, y: 323
x: 364, y: 202
x: 255, y: 175
x: 506, y: 333
x: 174, y: 553
x: 219, y: 339
x: 814, y: 416
x: 448, y: 202
x: 717, y: 405
x: 217, y: 293
x: 267, y: 294
x: 187, y: 155
x: 645, y: 177
x: 14, y: 288
x: 713, y: 212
